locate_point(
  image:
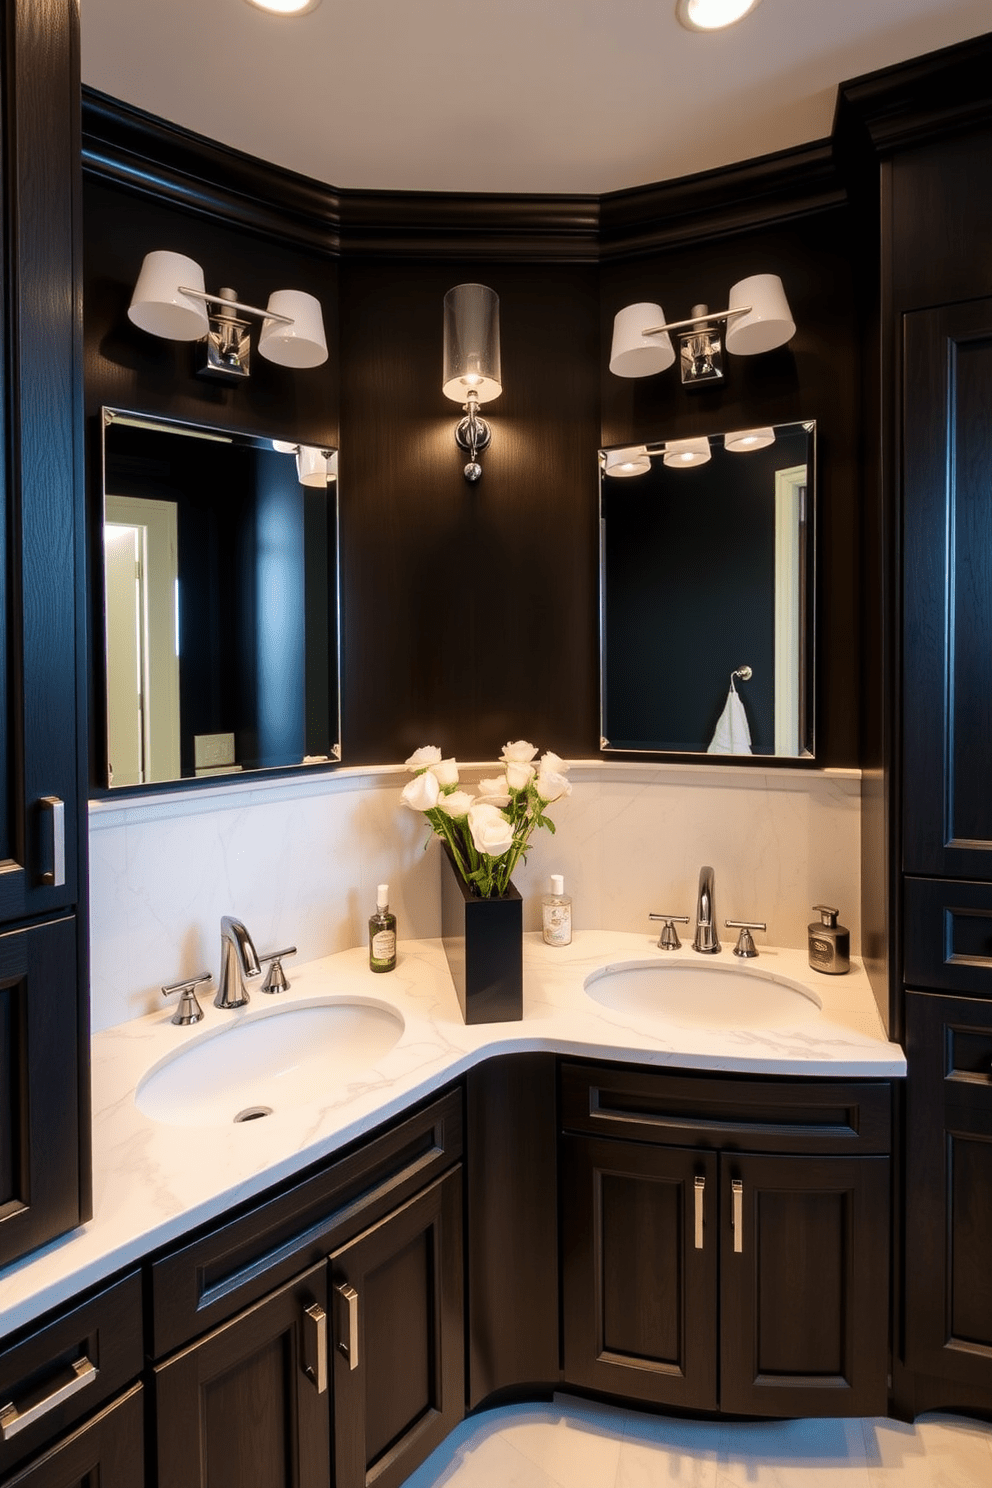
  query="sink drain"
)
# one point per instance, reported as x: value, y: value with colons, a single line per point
x: 253, y: 1113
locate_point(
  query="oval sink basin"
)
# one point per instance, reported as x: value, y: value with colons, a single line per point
x: 294, y: 1056
x: 703, y: 996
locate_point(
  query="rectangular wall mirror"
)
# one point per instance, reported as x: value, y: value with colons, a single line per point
x: 220, y: 601
x: 707, y: 594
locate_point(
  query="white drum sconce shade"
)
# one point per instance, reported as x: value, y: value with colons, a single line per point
x: 302, y: 342
x: 316, y: 467
x: 767, y: 324
x: 683, y: 454
x: 471, y: 372
x: 743, y: 441
x: 471, y: 344
x: 159, y: 305
x: 635, y: 354
x: 623, y: 463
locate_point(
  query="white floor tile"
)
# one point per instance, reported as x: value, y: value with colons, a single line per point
x: 577, y: 1443
x: 664, y: 1452
x: 794, y: 1454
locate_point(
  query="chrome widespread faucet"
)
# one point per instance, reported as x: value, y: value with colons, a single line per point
x: 238, y: 960
x: 707, y: 938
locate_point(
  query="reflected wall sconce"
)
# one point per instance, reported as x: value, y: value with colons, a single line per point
x: 170, y: 301
x: 621, y: 464
x: 683, y: 454
x: 743, y: 441
x: 315, y: 464
x: 471, y: 364
x: 757, y: 319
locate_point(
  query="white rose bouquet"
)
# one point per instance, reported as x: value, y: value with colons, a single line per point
x: 487, y: 834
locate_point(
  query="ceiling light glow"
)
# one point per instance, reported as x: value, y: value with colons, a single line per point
x: 285, y: 7
x: 712, y: 15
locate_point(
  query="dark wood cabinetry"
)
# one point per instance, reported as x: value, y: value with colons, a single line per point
x: 949, y: 1189
x: 704, y: 1268
x: 108, y: 1451
x: 43, y: 1175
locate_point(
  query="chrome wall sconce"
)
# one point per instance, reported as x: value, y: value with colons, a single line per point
x: 757, y: 319
x: 471, y: 364
x: 315, y: 464
x: 170, y: 301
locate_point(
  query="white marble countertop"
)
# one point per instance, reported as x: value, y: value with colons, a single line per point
x: 152, y: 1182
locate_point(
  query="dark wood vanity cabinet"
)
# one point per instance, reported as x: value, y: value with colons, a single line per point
x: 725, y: 1241
x: 336, y: 1314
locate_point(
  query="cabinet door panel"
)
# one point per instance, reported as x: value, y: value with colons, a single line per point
x: 949, y: 1188
x: 804, y: 1285
x: 108, y: 1452
x: 39, y: 1103
x: 398, y: 1301
x: 240, y: 1407
x: 948, y: 591
x: 639, y: 1292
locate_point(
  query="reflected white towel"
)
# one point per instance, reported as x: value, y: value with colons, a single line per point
x: 731, y: 735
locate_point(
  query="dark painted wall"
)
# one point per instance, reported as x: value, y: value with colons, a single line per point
x: 816, y: 376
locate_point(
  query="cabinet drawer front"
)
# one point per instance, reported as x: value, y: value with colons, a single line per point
x: 108, y: 1452
x: 62, y: 1372
x: 810, y: 1116
x: 949, y: 935
x: 207, y: 1281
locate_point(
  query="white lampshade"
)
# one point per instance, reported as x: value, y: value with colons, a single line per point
x: 471, y: 343
x: 158, y: 306
x: 682, y: 454
x: 313, y: 466
x: 626, y: 462
x: 768, y: 323
x: 301, y: 344
x: 743, y: 441
x: 633, y: 354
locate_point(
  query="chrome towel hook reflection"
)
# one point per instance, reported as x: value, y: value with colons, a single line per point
x: 744, y: 672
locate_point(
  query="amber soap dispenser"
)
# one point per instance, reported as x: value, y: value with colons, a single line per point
x: 829, y: 943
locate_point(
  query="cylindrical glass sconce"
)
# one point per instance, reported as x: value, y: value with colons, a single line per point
x: 471, y: 343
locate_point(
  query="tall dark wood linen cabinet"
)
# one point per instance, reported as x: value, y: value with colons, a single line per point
x: 929, y: 126
x: 44, y: 1095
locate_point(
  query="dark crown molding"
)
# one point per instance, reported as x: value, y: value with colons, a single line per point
x: 127, y: 147
x: 920, y: 100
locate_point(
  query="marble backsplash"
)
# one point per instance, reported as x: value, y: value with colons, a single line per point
x: 298, y: 860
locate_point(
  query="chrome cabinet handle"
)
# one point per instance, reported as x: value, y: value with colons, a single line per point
x: 738, y: 1200
x: 55, y: 811
x: 700, y: 1191
x: 347, y: 1329
x: 315, y: 1326
x: 12, y: 1420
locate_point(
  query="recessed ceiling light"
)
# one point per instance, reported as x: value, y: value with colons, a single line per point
x: 285, y: 7
x: 711, y: 15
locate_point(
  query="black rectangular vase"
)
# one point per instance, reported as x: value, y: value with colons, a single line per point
x: 483, y: 941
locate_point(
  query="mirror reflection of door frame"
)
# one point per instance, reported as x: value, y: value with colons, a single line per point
x: 790, y: 547
x: 157, y: 522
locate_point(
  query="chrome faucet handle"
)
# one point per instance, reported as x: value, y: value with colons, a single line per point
x: 668, y: 940
x: 188, y: 1009
x: 275, y: 978
x: 745, y: 941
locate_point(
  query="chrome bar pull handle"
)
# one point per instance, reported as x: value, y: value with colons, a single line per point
x: 54, y: 810
x: 12, y: 1420
x: 700, y: 1192
x: 737, y: 1188
x: 347, y: 1329
x: 315, y: 1325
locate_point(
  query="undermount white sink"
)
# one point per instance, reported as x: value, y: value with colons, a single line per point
x: 267, y: 1062
x: 723, y: 996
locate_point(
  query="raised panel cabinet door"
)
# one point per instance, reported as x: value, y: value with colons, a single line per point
x: 39, y: 1101
x: 639, y: 1282
x: 804, y: 1285
x: 249, y: 1404
x: 947, y: 607
x: 108, y: 1452
x: 42, y: 583
x: 949, y: 1188
x: 398, y: 1338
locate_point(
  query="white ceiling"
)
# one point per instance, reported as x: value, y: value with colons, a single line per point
x: 503, y: 95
